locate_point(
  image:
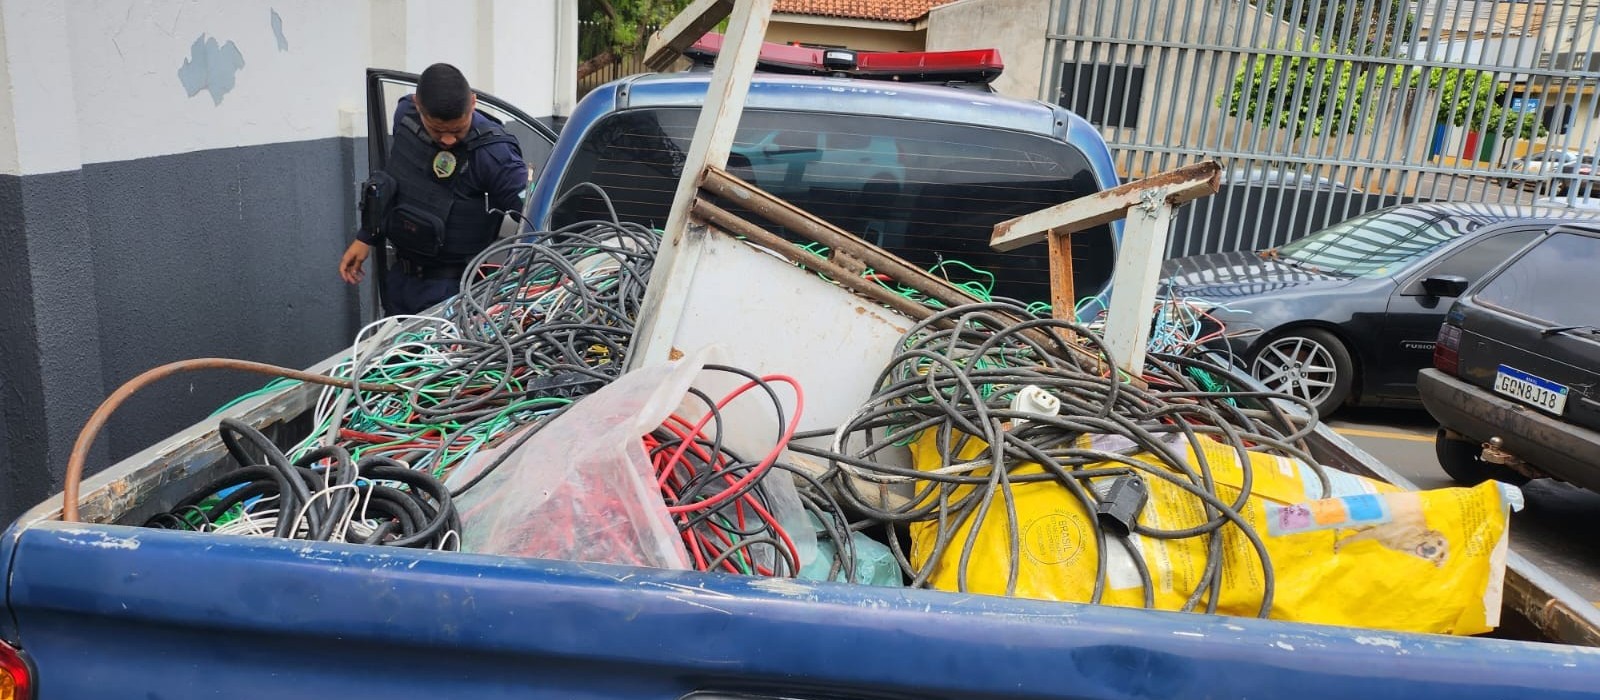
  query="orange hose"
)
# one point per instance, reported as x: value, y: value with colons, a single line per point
x: 97, y: 420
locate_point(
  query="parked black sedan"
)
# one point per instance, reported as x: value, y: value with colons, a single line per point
x: 1350, y: 313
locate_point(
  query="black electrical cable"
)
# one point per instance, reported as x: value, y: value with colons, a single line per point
x: 323, y: 491
x: 953, y: 382
x: 510, y: 348
x: 694, y: 466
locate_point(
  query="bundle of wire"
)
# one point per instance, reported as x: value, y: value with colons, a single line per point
x: 720, y: 502
x: 956, y: 375
x: 324, y: 495
x: 537, y: 326
x: 1178, y: 326
x: 543, y: 320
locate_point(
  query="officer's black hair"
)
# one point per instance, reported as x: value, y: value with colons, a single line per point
x: 443, y: 93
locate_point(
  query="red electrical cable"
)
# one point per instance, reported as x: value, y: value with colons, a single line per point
x: 766, y: 463
x: 672, y: 470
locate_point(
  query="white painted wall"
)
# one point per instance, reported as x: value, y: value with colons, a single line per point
x: 1509, y: 52
x: 90, y: 81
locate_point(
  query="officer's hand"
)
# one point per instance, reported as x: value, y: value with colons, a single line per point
x: 352, y: 267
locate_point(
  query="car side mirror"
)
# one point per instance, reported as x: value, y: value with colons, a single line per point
x: 1445, y: 285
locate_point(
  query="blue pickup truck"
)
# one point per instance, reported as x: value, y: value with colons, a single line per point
x: 103, y: 608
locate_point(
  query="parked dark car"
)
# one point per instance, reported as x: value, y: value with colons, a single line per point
x: 1349, y: 313
x: 1515, y: 384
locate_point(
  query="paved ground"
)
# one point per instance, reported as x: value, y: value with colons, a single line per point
x: 1560, y: 528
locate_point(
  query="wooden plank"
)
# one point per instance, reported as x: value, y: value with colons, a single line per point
x: 852, y: 280
x: 809, y: 226
x: 1185, y: 184
x: 1063, y: 298
x: 838, y: 240
x: 669, y: 42
x: 678, y: 255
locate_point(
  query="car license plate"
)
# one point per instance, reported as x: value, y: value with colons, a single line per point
x: 1534, y: 391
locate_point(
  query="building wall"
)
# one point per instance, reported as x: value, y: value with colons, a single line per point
x: 1015, y: 27
x: 177, y: 181
x: 858, y: 38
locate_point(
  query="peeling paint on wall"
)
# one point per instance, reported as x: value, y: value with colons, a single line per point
x: 210, y: 67
x: 277, y: 31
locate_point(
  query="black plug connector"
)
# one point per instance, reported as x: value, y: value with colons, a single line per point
x: 1120, y: 507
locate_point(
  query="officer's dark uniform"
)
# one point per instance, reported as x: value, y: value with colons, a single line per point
x: 437, y: 220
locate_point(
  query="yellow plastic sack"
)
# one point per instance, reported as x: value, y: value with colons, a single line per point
x: 1373, y: 556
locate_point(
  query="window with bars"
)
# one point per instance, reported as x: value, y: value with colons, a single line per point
x: 1106, y: 94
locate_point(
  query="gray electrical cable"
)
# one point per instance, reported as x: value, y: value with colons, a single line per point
x: 955, y: 383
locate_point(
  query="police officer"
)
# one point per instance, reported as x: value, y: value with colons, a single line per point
x: 451, y: 171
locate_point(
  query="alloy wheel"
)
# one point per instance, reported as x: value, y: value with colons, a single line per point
x: 1299, y: 366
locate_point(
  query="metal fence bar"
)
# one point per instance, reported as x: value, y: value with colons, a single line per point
x: 1269, y: 105
x: 1350, y: 96
x: 1291, y: 53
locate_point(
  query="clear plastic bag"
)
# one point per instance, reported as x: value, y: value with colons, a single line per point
x: 582, y: 489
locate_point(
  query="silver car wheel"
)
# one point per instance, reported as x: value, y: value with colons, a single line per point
x: 1299, y: 366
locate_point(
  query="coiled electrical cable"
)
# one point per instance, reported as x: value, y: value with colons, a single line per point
x: 542, y: 320
x: 322, y: 496
x: 954, y: 380
x: 720, y: 502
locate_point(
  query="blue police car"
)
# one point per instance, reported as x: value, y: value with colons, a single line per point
x: 911, y: 151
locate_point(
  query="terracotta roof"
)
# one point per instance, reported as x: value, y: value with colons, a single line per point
x: 886, y: 10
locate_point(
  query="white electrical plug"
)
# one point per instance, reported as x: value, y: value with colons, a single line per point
x: 1032, y: 399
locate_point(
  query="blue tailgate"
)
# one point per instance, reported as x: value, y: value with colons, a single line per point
x: 116, y: 611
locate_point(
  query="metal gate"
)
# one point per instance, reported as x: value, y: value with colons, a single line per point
x: 1320, y: 110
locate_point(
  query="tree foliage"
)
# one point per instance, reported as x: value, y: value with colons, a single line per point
x: 1307, y: 96
x: 617, y: 28
x: 1316, y: 96
x: 1356, y: 27
x: 1474, y: 99
x: 1327, y: 93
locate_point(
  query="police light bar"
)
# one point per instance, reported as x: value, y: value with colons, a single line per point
x: 972, y: 65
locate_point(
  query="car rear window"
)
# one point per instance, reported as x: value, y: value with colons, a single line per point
x: 929, y: 192
x: 1377, y: 244
x: 1554, y: 282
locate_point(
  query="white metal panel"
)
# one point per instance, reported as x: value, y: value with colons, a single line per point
x: 771, y: 317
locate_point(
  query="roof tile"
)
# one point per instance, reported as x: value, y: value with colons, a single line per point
x: 887, y: 10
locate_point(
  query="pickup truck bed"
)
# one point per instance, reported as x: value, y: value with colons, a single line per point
x: 167, y: 614
x: 184, y: 615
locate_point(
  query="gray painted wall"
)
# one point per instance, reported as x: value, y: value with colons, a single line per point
x: 234, y: 256
x: 51, y: 367
x: 173, y: 186
x: 132, y: 264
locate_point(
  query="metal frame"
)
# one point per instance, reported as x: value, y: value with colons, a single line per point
x: 712, y: 142
x: 1148, y: 206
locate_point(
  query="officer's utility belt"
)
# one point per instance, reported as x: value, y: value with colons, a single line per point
x: 429, y: 271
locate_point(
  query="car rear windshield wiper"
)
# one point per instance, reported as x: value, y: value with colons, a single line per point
x: 1553, y: 330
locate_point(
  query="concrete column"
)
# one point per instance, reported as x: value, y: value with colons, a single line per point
x: 51, y: 377
x: 387, y: 24
x: 566, y: 68
x: 516, y: 65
